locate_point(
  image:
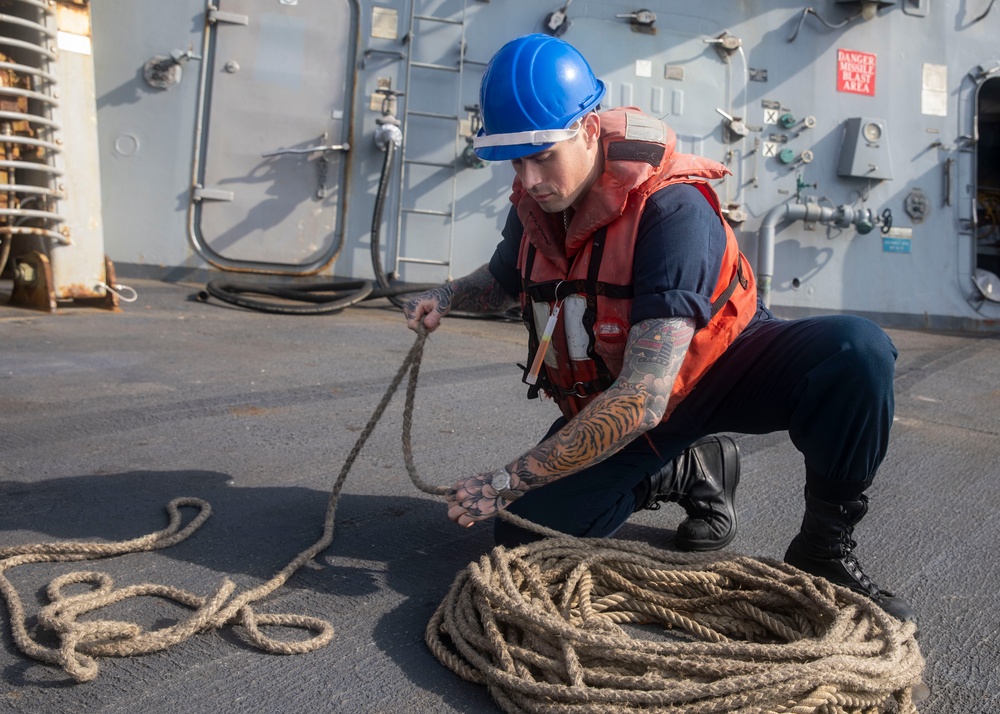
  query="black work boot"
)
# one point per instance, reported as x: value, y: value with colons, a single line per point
x: 703, y: 480
x: 825, y: 547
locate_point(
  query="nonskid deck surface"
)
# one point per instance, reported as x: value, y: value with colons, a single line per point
x: 104, y: 418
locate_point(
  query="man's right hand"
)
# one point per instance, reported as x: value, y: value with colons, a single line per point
x: 428, y: 308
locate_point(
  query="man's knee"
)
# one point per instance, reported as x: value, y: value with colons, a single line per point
x: 865, y: 350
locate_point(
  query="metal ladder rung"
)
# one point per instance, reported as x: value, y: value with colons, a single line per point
x: 427, y: 71
x: 424, y: 261
x: 433, y: 18
x: 435, y: 164
x: 426, y: 212
x: 431, y: 65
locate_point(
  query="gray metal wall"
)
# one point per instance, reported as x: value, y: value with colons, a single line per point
x: 918, y: 71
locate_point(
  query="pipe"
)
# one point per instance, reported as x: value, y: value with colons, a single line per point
x: 388, y: 138
x: 840, y: 216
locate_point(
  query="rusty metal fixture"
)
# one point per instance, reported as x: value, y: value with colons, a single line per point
x: 34, y: 286
x: 28, y: 200
x: 32, y: 231
x: 33, y: 283
x: 96, y: 295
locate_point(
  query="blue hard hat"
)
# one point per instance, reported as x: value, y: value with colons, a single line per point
x: 533, y: 91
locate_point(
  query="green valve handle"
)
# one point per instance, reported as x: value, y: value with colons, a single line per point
x: 787, y: 120
x: 786, y: 156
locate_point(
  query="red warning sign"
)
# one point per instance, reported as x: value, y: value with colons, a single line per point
x: 856, y: 72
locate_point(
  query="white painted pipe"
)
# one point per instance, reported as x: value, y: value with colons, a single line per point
x: 809, y: 212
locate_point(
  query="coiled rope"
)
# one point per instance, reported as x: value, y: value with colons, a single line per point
x: 542, y: 625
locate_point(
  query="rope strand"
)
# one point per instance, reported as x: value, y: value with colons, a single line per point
x: 543, y: 626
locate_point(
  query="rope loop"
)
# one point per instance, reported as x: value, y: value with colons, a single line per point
x: 588, y: 625
x: 547, y: 627
x: 253, y: 622
x: 82, y: 641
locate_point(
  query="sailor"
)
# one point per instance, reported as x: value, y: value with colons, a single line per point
x: 645, y: 328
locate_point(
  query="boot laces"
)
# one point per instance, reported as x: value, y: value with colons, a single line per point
x: 853, y: 565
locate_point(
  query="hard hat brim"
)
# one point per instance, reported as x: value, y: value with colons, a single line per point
x: 524, y: 143
x: 508, y: 153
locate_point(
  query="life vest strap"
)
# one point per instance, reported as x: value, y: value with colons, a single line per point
x: 739, y: 278
x: 547, y: 291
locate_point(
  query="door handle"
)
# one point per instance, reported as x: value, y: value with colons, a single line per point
x: 324, y: 163
x: 309, y: 150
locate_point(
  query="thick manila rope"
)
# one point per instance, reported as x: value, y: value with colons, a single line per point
x: 543, y: 625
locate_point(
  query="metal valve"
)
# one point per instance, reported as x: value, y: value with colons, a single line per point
x: 641, y: 19
x: 556, y: 23
x: 387, y: 130
x: 885, y: 221
x: 735, y: 213
x: 469, y: 157
x: 163, y: 72
x: 736, y: 127
x: 387, y: 126
x: 725, y: 41
x: 864, y: 225
x: 388, y: 98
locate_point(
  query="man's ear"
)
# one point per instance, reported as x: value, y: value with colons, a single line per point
x: 592, y: 127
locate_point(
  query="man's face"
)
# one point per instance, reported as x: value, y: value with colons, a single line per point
x: 559, y: 176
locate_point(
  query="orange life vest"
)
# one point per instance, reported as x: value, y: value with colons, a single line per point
x: 587, y: 269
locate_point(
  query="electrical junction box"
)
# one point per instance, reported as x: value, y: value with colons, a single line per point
x: 865, y: 151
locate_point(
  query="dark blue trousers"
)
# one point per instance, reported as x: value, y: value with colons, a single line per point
x: 827, y: 381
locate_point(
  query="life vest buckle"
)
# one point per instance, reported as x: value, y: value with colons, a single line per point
x: 581, y: 390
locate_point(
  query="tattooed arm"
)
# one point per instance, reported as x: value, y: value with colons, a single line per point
x: 477, y: 292
x: 631, y: 406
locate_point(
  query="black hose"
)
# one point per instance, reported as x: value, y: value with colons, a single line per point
x: 376, y: 234
x: 337, y: 296
x: 383, y: 189
x: 322, y: 298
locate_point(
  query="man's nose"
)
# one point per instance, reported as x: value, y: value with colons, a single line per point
x: 530, y: 176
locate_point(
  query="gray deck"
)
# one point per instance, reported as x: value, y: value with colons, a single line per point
x: 104, y: 418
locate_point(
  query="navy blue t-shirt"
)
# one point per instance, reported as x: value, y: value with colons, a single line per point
x: 678, y: 256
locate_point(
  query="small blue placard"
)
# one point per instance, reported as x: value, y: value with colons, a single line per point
x: 896, y: 245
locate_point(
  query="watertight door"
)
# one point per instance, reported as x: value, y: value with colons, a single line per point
x: 986, y: 275
x: 275, y: 118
